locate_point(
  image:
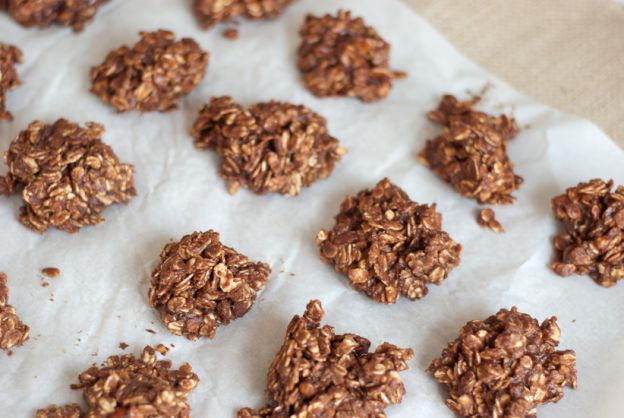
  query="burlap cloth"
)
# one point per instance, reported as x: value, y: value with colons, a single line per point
x: 565, y: 53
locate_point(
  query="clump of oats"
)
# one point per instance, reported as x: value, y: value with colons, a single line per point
x: 126, y: 386
x: 505, y: 366
x: 153, y: 75
x: 388, y: 245
x: 9, y: 80
x: 318, y: 373
x: 471, y: 152
x: 211, y: 12
x: 269, y: 147
x: 487, y: 219
x: 592, y: 243
x: 43, y: 13
x: 200, y: 284
x: 342, y: 56
x: 67, y: 175
x: 66, y: 411
x: 13, y: 332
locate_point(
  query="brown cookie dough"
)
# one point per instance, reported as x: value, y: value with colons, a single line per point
x: 153, y: 75
x: 66, y: 411
x: 201, y: 284
x: 13, y: 332
x: 388, y: 245
x: 43, y: 13
x: 126, y: 386
x: 317, y: 373
x: 342, y: 56
x: 67, y: 175
x: 471, y: 152
x: 9, y: 80
x: 269, y: 147
x: 505, y: 366
x: 592, y: 243
x: 211, y: 12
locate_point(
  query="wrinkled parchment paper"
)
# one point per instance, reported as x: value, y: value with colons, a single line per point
x: 100, y: 298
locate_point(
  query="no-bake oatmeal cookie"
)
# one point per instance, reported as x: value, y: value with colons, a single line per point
x: 9, y: 80
x: 65, y: 411
x: 43, y: 13
x: 318, y: 373
x: 505, y: 366
x: 211, y: 12
x: 13, y: 332
x: 388, y: 245
x: 126, y: 386
x: 471, y: 151
x: 592, y: 243
x: 342, y: 56
x: 268, y: 147
x: 66, y: 174
x: 153, y: 75
x: 200, y: 284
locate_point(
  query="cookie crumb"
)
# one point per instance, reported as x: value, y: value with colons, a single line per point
x: 51, y: 272
x: 231, y: 34
x: 162, y: 349
x: 123, y: 345
x: 487, y: 219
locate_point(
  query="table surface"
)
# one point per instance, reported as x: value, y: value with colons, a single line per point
x: 568, y: 54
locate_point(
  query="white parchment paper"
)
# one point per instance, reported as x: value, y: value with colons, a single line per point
x: 100, y: 298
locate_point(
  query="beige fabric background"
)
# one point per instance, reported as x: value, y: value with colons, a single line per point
x: 565, y: 53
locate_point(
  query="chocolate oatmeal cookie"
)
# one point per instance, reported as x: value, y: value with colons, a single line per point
x: 318, y: 373
x: 268, y: 147
x: 592, y: 243
x: 342, y: 56
x: 200, y: 284
x: 471, y: 152
x: 66, y: 174
x: 388, y: 245
x: 505, y: 366
x: 151, y: 76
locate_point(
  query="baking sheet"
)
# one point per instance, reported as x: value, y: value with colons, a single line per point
x: 100, y: 298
